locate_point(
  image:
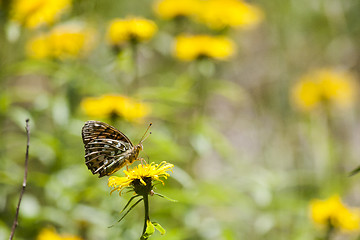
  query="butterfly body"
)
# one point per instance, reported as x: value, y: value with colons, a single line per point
x: 107, y: 149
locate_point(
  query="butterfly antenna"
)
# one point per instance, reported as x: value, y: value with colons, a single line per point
x: 144, y: 137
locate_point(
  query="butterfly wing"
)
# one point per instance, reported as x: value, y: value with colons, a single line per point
x: 97, y: 130
x: 106, y: 148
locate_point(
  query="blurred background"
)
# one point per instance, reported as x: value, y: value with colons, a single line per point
x: 255, y: 103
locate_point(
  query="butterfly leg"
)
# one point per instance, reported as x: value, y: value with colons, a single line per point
x: 147, y: 158
x: 142, y: 161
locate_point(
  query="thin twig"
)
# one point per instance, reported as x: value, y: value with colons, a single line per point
x: 27, y: 128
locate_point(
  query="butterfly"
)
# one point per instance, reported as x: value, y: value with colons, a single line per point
x: 107, y: 149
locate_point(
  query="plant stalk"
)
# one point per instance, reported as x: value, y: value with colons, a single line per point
x: 15, y: 223
x: 134, y: 52
x: 146, y: 205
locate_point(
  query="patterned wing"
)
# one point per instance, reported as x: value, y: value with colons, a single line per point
x: 97, y: 130
x: 105, y: 148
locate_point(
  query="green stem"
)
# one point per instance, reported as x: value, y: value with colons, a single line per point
x: 147, y: 217
x: 329, y: 232
x: 134, y: 52
x: 201, y: 89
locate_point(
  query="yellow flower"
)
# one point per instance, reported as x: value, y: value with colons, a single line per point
x: 188, y: 48
x: 64, y: 41
x: 324, y: 86
x: 306, y: 94
x: 122, y: 106
x: 333, y: 211
x: 34, y: 13
x: 337, y: 87
x: 121, y: 31
x: 50, y: 234
x: 174, y: 8
x: 39, y: 47
x: 141, y: 173
x: 229, y: 13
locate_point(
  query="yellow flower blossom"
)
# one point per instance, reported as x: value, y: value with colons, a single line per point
x: 174, y: 8
x: 64, y: 41
x: 229, y: 13
x: 122, y: 106
x: 333, y: 211
x: 50, y: 234
x: 140, y: 173
x: 130, y: 29
x: 188, y: 48
x: 35, y: 13
x: 324, y: 86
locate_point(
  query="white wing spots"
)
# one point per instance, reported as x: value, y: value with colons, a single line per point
x: 105, y: 156
x: 106, y: 148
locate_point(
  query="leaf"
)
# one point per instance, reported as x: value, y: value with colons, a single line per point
x: 127, y: 211
x: 149, y: 230
x: 159, y: 228
x: 128, y: 203
x: 60, y: 111
x: 355, y: 171
x: 163, y: 196
x: 230, y: 91
x: 130, y: 209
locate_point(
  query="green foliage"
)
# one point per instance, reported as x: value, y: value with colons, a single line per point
x: 159, y: 228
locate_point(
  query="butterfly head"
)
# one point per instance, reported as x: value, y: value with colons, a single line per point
x: 135, y: 153
x: 139, y: 147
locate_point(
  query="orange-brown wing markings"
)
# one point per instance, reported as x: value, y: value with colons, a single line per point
x: 106, y: 148
x: 99, y: 130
